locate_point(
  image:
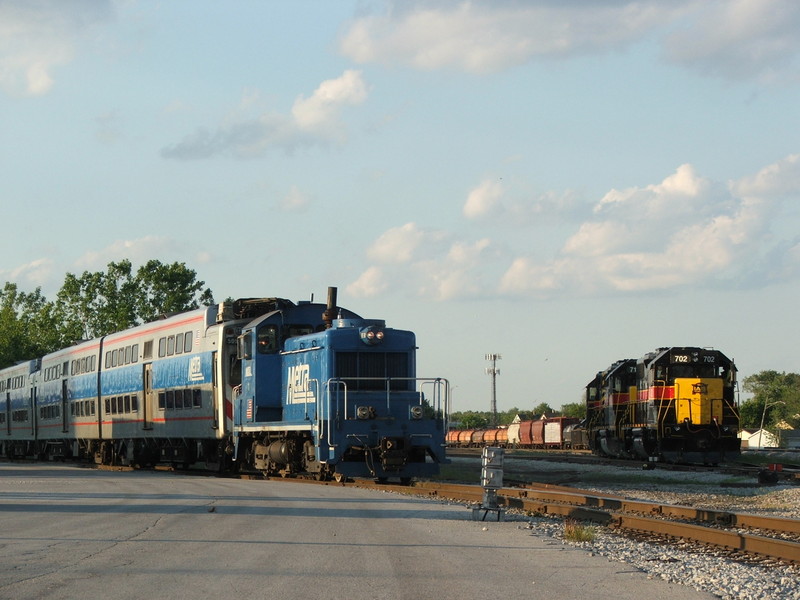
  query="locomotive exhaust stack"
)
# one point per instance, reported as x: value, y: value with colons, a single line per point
x: 330, y: 311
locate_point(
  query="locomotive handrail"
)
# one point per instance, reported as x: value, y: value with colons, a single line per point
x: 315, y: 383
x: 662, y: 407
x: 326, y: 404
x: 439, y: 398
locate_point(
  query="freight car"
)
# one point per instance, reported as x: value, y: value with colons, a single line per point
x: 575, y: 437
x: 542, y: 433
x: 264, y: 384
x: 675, y: 404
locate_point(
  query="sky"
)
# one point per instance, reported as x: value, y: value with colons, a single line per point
x: 562, y: 183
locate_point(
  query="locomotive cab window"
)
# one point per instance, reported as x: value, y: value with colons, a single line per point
x: 267, y: 339
x: 297, y: 330
x: 235, y: 372
x: 243, y: 346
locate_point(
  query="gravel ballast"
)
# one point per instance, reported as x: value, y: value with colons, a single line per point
x: 716, y: 571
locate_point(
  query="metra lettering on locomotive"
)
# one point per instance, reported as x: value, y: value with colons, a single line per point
x: 279, y: 387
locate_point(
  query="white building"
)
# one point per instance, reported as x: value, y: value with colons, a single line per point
x: 758, y: 438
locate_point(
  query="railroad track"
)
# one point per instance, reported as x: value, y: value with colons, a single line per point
x: 777, y: 538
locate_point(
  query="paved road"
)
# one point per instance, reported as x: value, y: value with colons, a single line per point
x: 71, y: 532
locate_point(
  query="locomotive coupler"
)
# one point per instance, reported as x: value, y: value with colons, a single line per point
x: 394, y: 455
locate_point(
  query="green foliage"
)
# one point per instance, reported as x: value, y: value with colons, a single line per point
x: 101, y: 303
x: 471, y: 419
x: 574, y: 409
x: 544, y: 409
x: 776, y: 398
x: 28, y: 325
x: 165, y: 289
x: 94, y: 304
x: 575, y: 531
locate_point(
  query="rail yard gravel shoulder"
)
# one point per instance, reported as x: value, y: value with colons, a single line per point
x: 722, y: 573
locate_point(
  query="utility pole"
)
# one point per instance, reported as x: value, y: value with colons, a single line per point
x: 494, y: 372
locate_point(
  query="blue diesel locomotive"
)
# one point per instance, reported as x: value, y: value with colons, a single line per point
x: 253, y: 384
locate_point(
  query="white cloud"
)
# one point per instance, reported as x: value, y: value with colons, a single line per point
x: 634, y: 217
x: 370, y: 283
x: 776, y: 180
x: 399, y: 244
x: 36, y: 273
x: 138, y: 251
x: 294, y: 201
x: 426, y: 261
x: 327, y: 100
x: 482, y: 37
x: 458, y: 274
x: 313, y: 120
x: 731, y: 39
x: 684, y: 232
x: 38, y: 37
x: 484, y: 200
x: 740, y: 39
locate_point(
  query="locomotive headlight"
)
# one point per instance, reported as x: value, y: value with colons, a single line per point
x: 416, y: 412
x: 371, y: 335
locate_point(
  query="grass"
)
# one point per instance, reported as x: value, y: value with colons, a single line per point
x: 575, y: 531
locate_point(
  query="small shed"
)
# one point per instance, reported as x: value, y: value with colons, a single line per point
x: 758, y: 438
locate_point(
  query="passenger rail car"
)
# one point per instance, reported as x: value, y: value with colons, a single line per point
x: 674, y: 404
x: 264, y: 384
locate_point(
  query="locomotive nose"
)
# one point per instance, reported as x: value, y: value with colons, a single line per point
x: 393, y: 453
x: 704, y: 440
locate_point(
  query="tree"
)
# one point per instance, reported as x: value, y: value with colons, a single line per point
x: 471, y: 419
x: 544, y: 409
x: 96, y: 304
x: 28, y: 325
x: 776, y: 397
x: 574, y: 409
x: 165, y: 289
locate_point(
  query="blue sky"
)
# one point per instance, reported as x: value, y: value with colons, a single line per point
x: 565, y: 184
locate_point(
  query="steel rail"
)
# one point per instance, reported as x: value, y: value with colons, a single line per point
x: 674, y: 511
x: 752, y: 544
x: 632, y: 515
